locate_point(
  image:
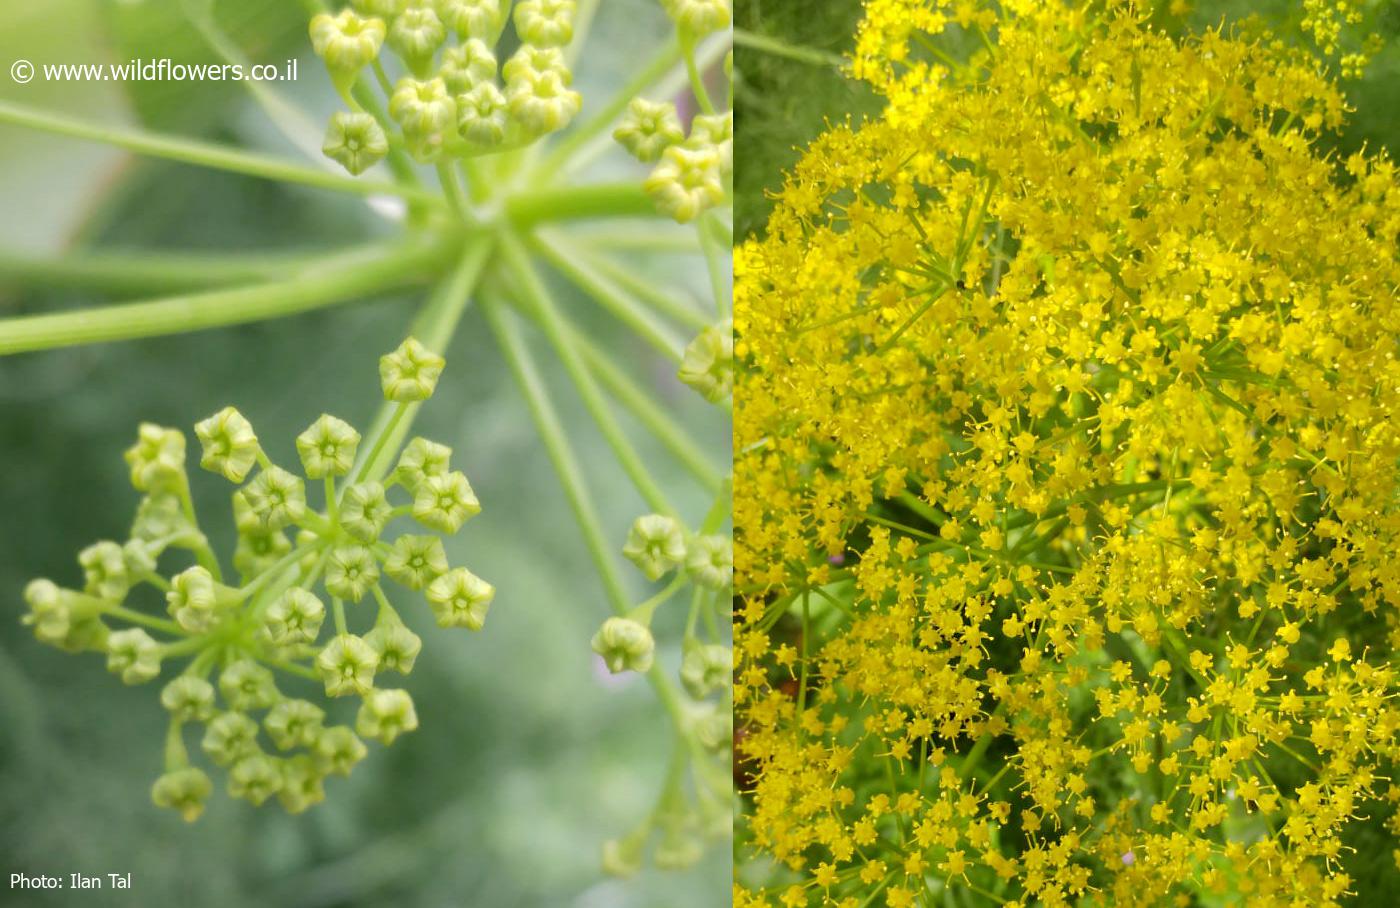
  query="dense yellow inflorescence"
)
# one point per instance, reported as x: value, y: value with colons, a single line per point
x: 1066, y: 476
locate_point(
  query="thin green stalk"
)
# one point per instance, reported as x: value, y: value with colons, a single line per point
x: 433, y: 326
x: 660, y: 300
x: 203, y: 154
x: 715, y: 251
x: 535, y: 294
x: 697, y: 78
x: 314, y: 289
x: 529, y: 207
x: 774, y: 47
x: 610, y: 296
x: 561, y: 453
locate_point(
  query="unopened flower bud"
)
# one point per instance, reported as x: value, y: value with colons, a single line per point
x: 346, y: 40
x: 421, y: 459
x: 706, y: 668
x: 337, y: 750
x: 425, y: 111
x: 384, y: 9
x: 104, y: 571
x: 459, y: 598
x: 277, y: 497
x: 157, y: 460
x: 466, y: 66
x: 655, y: 544
x: 482, y: 115
x: 356, y: 142
x: 648, y: 129
x: 254, y: 778
x: 350, y: 572
x: 417, y: 34
x: 303, y: 784
x: 708, y: 363
x: 698, y: 17
x: 160, y: 516
x: 416, y: 561
x: 396, y: 646
x: 259, y: 549
x: 230, y: 737
x: 386, y: 714
x: 230, y: 447
x: 687, y: 182
x: 545, y: 23
x: 294, y: 618
x: 623, y: 858
x: 715, y: 131
x: 625, y: 645
x: 347, y: 666
x: 709, y: 560
x: 679, y: 847
x: 133, y: 655
x: 49, y: 613
x: 193, y: 599
x: 245, y: 686
x: 188, y: 699
x: 411, y: 371
x: 294, y: 723
x: 444, y: 503
x: 183, y: 790
x: 481, y: 19
x: 542, y: 102
x: 714, y: 727
x: 140, y: 558
x: 364, y: 511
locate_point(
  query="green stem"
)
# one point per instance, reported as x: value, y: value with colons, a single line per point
x: 203, y: 154
x: 135, y: 617
x: 773, y: 46
x: 623, y: 307
x: 697, y: 79
x: 314, y: 289
x: 556, y: 443
x: 658, y: 297
x: 538, y: 298
x: 382, y: 439
x: 571, y: 203
x: 715, y: 253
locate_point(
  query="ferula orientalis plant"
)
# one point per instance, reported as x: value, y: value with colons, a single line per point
x: 458, y: 120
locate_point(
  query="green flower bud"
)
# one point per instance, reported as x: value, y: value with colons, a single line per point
x: 356, y: 142
x: 346, y: 41
x: 459, y: 598
x: 648, y: 129
x: 337, y: 750
x: 421, y: 459
x: 709, y: 560
x: 386, y: 714
x: 417, y: 34
x: 444, y: 503
x: 49, y: 612
x: 327, y: 447
x: 160, y: 516
x: 259, y: 549
x: 708, y: 363
x: 396, y: 645
x: 714, y: 727
x: 277, y: 497
x: 230, y: 737
x: 347, y: 666
x: 411, y: 372
x: 245, y: 685
x: 189, y: 699
x: 254, y: 779
x: 416, y: 561
x: 364, y: 511
x: 706, y: 668
x: 230, y: 447
x: 655, y: 544
x: 529, y: 60
x: 625, y: 645
x: 482, y: 115
x: 157, y: 460
x: 481, y: 19
x: 542, y: 102
x: 139, y: 558
x: 384, y: 9
x: 623, y: 858
x: 350, y: 572
x: 104, y: 570
x: 303, y: 785
x: 466, y: 66
x: 134, y: 655
x: 294, y: 723
x: 294, y: 618
x: 687, y: 182
x: 193, y: 600
x: 545, y: 23
x: 184, y: 790
x: 425, y: 111
x: 715, y: 131
x: 698, y: 17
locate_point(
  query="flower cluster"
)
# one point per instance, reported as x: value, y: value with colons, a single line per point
x: 1066, y: 476
x: 457, y: 100
x: 238, y: 636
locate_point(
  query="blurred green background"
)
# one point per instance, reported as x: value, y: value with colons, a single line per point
x: 528, y: 757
